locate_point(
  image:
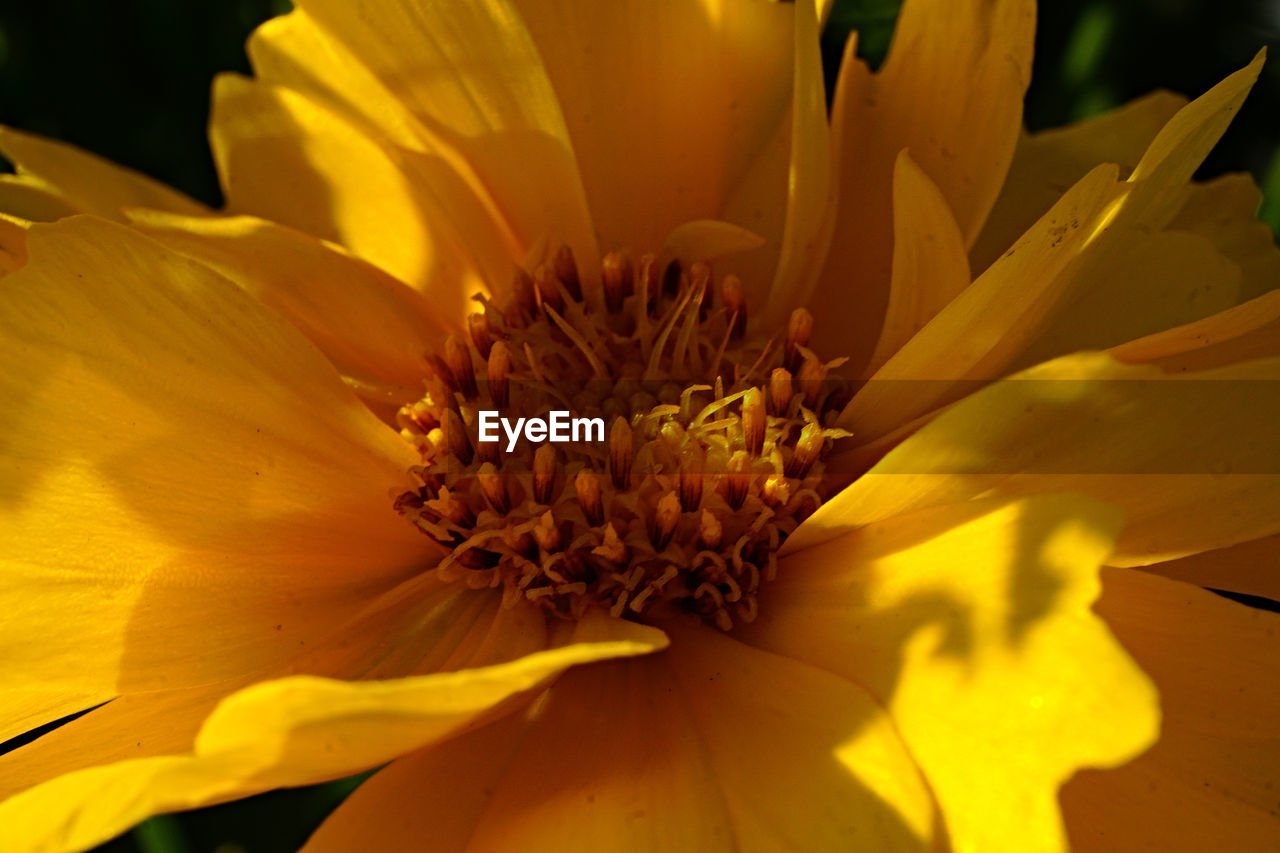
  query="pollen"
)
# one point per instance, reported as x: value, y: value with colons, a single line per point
x: 713, y: 452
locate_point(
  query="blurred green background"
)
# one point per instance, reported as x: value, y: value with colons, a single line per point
x: 129, y: 80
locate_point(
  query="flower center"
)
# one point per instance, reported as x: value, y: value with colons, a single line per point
x: 712, y: 456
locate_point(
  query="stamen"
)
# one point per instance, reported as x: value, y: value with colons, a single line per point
x: 458, y: 357
x: 566, y: 269
x: 617, y: 279
x: 587, y: 488
x: 548, y: 289
x: 780, y: 390
x: 690, y: 399
x: 735, y: 303
x: 753, y: 420
x: 544, y: 473
x: 478, y: 331
x: 498, y: 370
x: 799, y: 329
x: 665, y: 520
x: 620, y: 453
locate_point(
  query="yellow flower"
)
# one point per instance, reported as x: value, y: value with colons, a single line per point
x: 240, y: 508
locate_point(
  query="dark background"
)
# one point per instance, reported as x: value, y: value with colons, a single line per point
x: 129, y: 79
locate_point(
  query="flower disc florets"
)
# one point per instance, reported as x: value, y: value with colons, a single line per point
x: 713, y: 453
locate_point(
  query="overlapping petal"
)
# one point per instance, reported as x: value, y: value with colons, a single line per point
x: 176, y: 456
x: 293, y: 731
x: 972, y: 625
x: 1209, y: 783
x: 1190, y: 458
x: 641, y: 755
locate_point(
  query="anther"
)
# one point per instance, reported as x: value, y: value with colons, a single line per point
x: 455, y: 433
x: 522, y: 288
x: 612, y: 548
x: 691, y: 477
x: 586, y: 487
x: 478, y: 331
x: 617, y: 278
x: 566, y: 269
x: 776, y: 491
x: 547, y: 533
x: 665, y: 519
x: 753, y: 420
x: 737, y: 481
x: 544, y: 473
x: 620, y: 452
x: 780, y: 390
x: 735, y: 303
x: 495, y: 490
x: 710, y: 531
x: 799, y: 329
x: 812, y: 376
x: 458, y: 357
x: 498, y: 369
x: 548, y: 289
x: 808, y: 447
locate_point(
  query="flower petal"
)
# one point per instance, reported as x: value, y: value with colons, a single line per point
x: 175, y: 456
x: 1251, y: 567
x: 1047, y: 164
x: 472, y: 76
x: 666, y: 102
x: 972, y: 625
x: 1193, y: 459
x: 811, y: 196
x: 930, y: 264
x: 367, y: 323
x: 288, y: 159
x: 292, y: 731
x: 1209, y: 784
x: 641, y: 755
x: 1247, y: 332
x: 951, y: 93
x: 87, y: 183
x: 1076, y: 264
x: 420, y: 628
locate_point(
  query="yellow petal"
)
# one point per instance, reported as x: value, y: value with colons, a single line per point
x: 770, y: 727
x: 1191, y: 458
x: 292, y: 731
x: 1077, y: 262
x: 288, y: 159
x: 930, y: 266
x: 1246, y: 332
x: 175, y: 456
x: 641, y: 755
x: 87, y: 183
x: 666, y: 102
x: 972, y: 625
x: 28, y: 197
x: 1209, y: 784
x: 477, y: 83
x: 22, y: 711
x: 1225, y: 211
x: 421, y: 627
x: 811, y: 197
x: 367, y: 323
x: 980, y: 332
x: 950, y: 93
x: 13, y: 242
x: 1047, y: 164
x: 1251, y: 567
